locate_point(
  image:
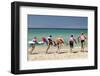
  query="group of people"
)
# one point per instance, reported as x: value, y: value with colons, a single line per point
x: 72, y: 40
x: 82, y: 38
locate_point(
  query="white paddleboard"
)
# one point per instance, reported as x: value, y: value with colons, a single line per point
x: 39, y: 43
x: 31, y: 42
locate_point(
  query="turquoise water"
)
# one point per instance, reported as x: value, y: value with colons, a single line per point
x: 55, y: 32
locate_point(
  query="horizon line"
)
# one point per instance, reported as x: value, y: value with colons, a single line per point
x: 57, y: 28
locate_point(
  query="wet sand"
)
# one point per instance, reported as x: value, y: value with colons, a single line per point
x: 39, y: 53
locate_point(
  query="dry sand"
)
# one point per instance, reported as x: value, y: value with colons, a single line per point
x: 40, y: 53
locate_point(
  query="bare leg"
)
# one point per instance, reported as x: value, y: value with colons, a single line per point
x: 48, y: 48
x: 82, y: 47
x: 33, y: 47
x: 59, y: 47
x: 71, y: 44
x: 71, y: 49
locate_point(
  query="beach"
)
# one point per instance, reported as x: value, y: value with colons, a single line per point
x: 40, y: 53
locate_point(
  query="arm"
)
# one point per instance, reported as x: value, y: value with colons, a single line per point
x: 85, y: 37
x: 78, y: 38
x: 75, y: 40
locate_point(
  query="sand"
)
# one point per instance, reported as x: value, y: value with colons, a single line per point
x: 39, y: 53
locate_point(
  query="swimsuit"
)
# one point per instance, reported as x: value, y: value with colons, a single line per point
x: 50, y: 42
x: 82, y: 41
x: 71, y: 42
x: 82, y: 38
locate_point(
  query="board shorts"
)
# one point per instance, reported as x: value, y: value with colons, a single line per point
x: 71, y: 43
x: 82, y: 41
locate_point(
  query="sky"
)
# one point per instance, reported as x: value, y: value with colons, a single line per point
x: 47, y: 21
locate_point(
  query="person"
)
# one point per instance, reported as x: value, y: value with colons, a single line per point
x: 50, y: 42
x: 44, y: 40
x: 72, y: 40
x: 35, y: 40
x: 82, y: 39
x: 58, y: 42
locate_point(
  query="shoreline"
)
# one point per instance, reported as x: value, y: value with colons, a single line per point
x: 40, y: 53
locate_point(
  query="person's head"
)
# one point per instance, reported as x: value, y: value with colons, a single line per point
x: 82, y: 33
x: 71, y: 35
x: 50, y: 36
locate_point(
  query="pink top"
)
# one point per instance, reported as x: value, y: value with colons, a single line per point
x: 82, y: 37
x: 35, y: 40
x: 44, y: 39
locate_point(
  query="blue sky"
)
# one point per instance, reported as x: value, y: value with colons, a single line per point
x: 47, y: 21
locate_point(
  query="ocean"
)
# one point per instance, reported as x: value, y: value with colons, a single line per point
x: 55, y: 32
